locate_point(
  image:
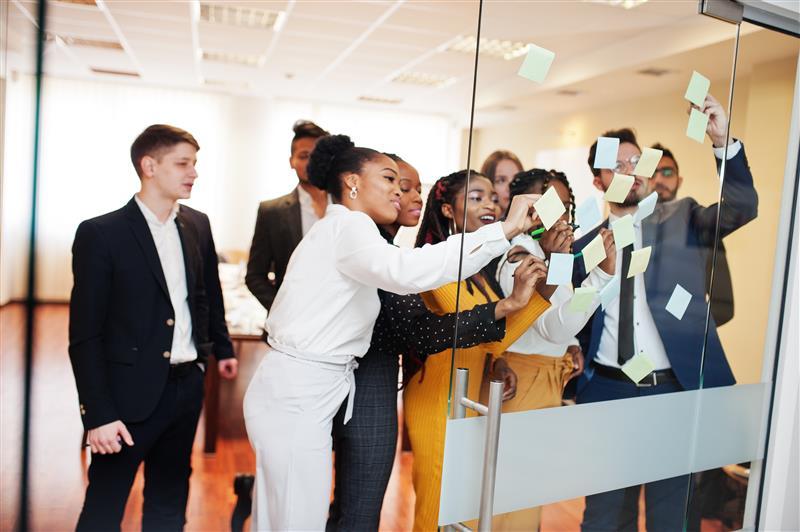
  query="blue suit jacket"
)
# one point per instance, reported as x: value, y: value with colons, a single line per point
x: 681, y: 234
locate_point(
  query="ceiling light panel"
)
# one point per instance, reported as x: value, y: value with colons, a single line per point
x: 240, y: 16
x: 231, y: 59
x: 502, y: 49
x: 378, y: 99
x: 424, y: 79
x: 625, y: 4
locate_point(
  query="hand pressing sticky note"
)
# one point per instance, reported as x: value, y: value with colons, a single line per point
x: 587, y: 215
x: 593, y: 253
x: 648, y: 162
x: 619, y: 188
x: 610, y: 292
x: 698, y: 122
x: 559, y: 271
x: 582, y: 298
x: 646, y: 207
x: 606, y: 154
x: 679, y: 302
x: 639, y: 260
x: 697, y: 89
x: 623, y: 231
x: 638, y: 367
x: 549, y: 207
x: 536, y: 64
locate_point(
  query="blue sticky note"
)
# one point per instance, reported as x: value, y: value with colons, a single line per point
x: 560, y: 269
x: 536, y: 64
x: 606, y: 154
x: 610, y: 292
x: 646, y: 207
x: 587, y: 215
x: 679, y: 301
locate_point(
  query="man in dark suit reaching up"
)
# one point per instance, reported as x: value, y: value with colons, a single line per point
x: 282, y: 222
x: 145, y: 314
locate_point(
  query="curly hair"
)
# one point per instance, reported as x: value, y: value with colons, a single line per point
x: 537, y: 181
x: 333, y: 156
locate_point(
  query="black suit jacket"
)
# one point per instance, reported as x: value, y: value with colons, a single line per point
x: 279, y: 228
x: 121, y: 318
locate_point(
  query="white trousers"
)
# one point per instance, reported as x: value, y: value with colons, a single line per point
x: 288, y: 411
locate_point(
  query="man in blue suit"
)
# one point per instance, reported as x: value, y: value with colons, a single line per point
x: 681, y: 235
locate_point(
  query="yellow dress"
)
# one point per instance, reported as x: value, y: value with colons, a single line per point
x: 425, y: 398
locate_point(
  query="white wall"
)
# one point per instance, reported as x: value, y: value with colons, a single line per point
x: 85, y: 168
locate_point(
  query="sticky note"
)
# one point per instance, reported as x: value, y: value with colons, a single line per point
x: 623, y: 231
x: 697, y: 89
x: 610, y: 292
x: 587, y: 215
x: 606, y: 154
x: 549, y: 207
x: 696, y: 130
x: 648, y: 162
x: 638, y: 367
x: 679, y: 301
x: 560, y: 269
x: 639, y: 260
x: 536, y: 64
x: 582, y: 298
x: 620, y: 186
x: 594, y: 253
x: 646, y: 207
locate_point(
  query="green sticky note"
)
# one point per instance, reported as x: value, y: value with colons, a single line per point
x: 638, y: 367
x: 549, y: 207
x: 697, y: 89
x: 536, y: 64
x: 619, y: 188
x: 648, y: 162
x: 623, y: 231
x: 594, y: 253
x: 582, y: 298
x: 698, y: 122
x: 639, y: 260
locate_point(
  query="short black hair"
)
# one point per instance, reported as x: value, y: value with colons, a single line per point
x: 155, y: 139
x: 396, y: 158
x: 333, y: 156
x: 625, y: 134
x: 306, y: 129
x: 666, y: 152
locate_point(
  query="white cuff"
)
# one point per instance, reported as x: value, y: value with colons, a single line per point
x: 733, y: 150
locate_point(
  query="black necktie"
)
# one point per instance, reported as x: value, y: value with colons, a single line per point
x: 625, y: 336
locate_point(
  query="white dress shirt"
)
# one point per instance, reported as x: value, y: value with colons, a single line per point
x: 328, y: 302
x: 308, y: 216
x: 556, y: 328
x: 170, y: 254
x: 646, y: 338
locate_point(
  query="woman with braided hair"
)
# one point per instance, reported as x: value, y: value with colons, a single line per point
x: 336, y: 270
x: 547, y: 355
x: 426, y: 392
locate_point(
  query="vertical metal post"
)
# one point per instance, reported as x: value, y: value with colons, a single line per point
x: 490, y: 455
x: 460, y: 392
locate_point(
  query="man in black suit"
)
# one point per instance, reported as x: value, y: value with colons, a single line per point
x: 282, y: 222
x: 666, y: 182
x: 145, y: 314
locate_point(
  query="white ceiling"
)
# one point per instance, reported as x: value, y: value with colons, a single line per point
x: 338, y: 51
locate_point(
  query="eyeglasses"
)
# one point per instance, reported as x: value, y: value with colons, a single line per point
x: 631, y: 163
x: 666, y: 171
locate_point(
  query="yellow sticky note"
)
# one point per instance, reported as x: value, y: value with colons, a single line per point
x: 697, y: 89
x: 536, y: 64
x: 698, y: 122
x: 582, y: 298
x: 623, y: 231
x: 638, y: 367
x: 620, y: 186
x: 549, y: 207
x: 639, y: 260
x: 594, y: 253
x: 648, y: 162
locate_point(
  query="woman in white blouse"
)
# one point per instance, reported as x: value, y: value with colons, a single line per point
x: 322, y: 319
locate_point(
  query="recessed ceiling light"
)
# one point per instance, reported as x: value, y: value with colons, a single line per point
x: 115, y: 72
x: 88, y: 43
x: 376, y: 99
x: 504, y: 49
x: 248, y: 17
x: 654, y: 72
x: 78, y: 2
x: 233, y: 59
x: 421, y: 78
x: 568, y: 92
x: 625, y: 4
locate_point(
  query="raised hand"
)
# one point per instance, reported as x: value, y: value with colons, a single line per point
x: 609, y: 264
x: 521, y: 216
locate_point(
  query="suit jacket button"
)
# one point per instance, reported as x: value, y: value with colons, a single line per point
x: 170, y: 322
x: 166, y: 354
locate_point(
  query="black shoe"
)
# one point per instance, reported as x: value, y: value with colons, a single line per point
x: 243, y: 488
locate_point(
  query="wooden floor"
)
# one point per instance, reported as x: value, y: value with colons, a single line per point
x: 58, y: 467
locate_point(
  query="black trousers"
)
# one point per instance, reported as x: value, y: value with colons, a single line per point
x: 365, y: 447
x: 164, y: 443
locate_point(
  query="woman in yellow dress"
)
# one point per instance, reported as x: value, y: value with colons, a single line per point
x: 427, y: 390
